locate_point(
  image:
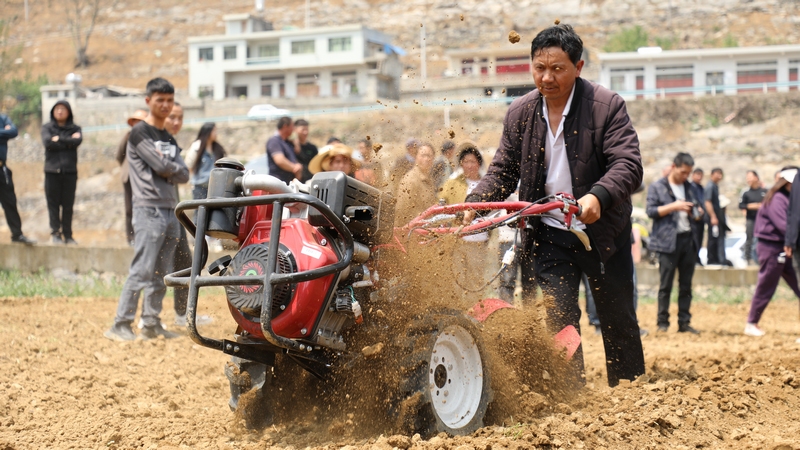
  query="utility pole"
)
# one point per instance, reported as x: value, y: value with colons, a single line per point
x: 26, y: 10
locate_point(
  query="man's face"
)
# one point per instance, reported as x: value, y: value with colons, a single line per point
x: 61, y: 113
x: 302, y: 132
x: 752, y: 180
x: 680, y: 174
x: 554, y: 73
x: 424, y: 158
x: 174, y: 121
x: 716, y: 177
x: 697, y: 177
x: 341, y: 163
x: 286, y: 131
x: 160, y: 104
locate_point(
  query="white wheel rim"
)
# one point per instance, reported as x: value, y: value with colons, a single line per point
x: 455, y: 377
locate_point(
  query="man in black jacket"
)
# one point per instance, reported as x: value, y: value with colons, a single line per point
x: 672, y: 206
x: 571, y: 135
x: 698, y: 226
x: 8, y: 199
x: 61, y: 138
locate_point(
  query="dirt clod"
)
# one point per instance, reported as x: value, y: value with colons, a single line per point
x: 513, y: 37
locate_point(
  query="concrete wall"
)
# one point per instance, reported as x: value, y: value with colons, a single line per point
x: 117, y: 260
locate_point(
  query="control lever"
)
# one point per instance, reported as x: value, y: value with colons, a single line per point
x: 584, y: 238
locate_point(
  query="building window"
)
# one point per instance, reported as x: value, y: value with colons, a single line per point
x: 342, y: 44
x: 229, y: 52
x: 205, y: 91
x: 268, y: 86
x: 301, y: 47
x: 715, y: 78
x: 344, y: 84
x: 52, y: 94
x: 238, y: 92
x: 267, y: 51
x: 307, y: 85
x: 618, y: 83
x: 206, y: 54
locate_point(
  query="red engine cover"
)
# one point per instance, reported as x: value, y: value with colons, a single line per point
x: 303, y: 240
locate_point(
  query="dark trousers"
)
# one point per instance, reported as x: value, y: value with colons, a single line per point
x: 682, y: 260
x: 183, y: 259
x: 749, y: 249
x: 770, y: 272
x: 128, y: 210
x: 560, y: 260
x: 59, y: 189
x: 527, y: 269
x: 698, y: 228
x: 716, y: 245
x: 8, y: 199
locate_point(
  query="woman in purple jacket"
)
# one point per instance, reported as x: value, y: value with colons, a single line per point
x: 770, y: 229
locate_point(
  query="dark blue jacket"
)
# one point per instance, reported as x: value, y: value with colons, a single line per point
x: 5, y: 135
x: 665, y: 229
x: 792, y: 238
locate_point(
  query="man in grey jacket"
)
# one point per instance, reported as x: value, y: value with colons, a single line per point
x: 672, y: 206
x: 155, y: 168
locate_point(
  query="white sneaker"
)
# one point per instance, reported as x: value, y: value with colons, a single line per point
x: 752, y: 329
x: 201, y: 320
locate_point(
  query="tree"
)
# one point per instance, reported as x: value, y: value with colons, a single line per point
x: 627, y: 40
x: 81, y: 16
x: 9, y: 52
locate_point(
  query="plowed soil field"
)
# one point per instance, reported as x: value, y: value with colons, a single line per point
x: 65, y: 386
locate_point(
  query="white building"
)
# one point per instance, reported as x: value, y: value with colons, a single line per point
x: 651, y: 73
x: 352, y: 63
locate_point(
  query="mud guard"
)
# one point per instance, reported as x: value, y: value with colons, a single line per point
x: 567, y: 339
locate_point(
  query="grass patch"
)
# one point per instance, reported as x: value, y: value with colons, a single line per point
x: 44, y: 284
x: 14, y: 283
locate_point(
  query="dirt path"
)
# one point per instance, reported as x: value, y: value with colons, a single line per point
x: 65, y: 386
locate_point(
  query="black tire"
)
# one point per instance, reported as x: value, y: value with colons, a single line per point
x: 427, y: 375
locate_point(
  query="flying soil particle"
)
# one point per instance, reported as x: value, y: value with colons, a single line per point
x: 452, y: 134
x: 368, y: 137
x: 462, y: 17
x: 513, y: 37
x: 376, y: 147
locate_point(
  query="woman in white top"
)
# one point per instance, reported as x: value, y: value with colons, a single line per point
x: 201, y: 157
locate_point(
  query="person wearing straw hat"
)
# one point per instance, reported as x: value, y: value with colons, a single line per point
x: 774, y: 261
x: 137, y: 116
x: 334, y: 157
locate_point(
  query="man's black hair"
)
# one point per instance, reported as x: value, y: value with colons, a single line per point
x: 562, y: 36
x: 698, y: 170
x: 447, y: 146
x: 176, y: 104
x: 160, y: 86
x: 301, y: 123
x: 283, y: 121
x: 716, y: 170
x: 471, y: 151
x: 683, y: 159
x: 333, y: 140
x: 755, y: 174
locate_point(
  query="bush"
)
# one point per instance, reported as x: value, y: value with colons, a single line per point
x: 25, y: 98
x: 627, y: 40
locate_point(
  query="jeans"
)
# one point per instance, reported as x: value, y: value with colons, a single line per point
x: 182, y: 260
x: 716, y: 246
x: 682, y: 260
x: 59, y: 189
x: 8, y: 200
x: 156, y: 234
x: 749, y: 248
x: 561, y: 259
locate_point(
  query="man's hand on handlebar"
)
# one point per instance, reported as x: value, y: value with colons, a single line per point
x: 469, y: 216
x: 590, y: 209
